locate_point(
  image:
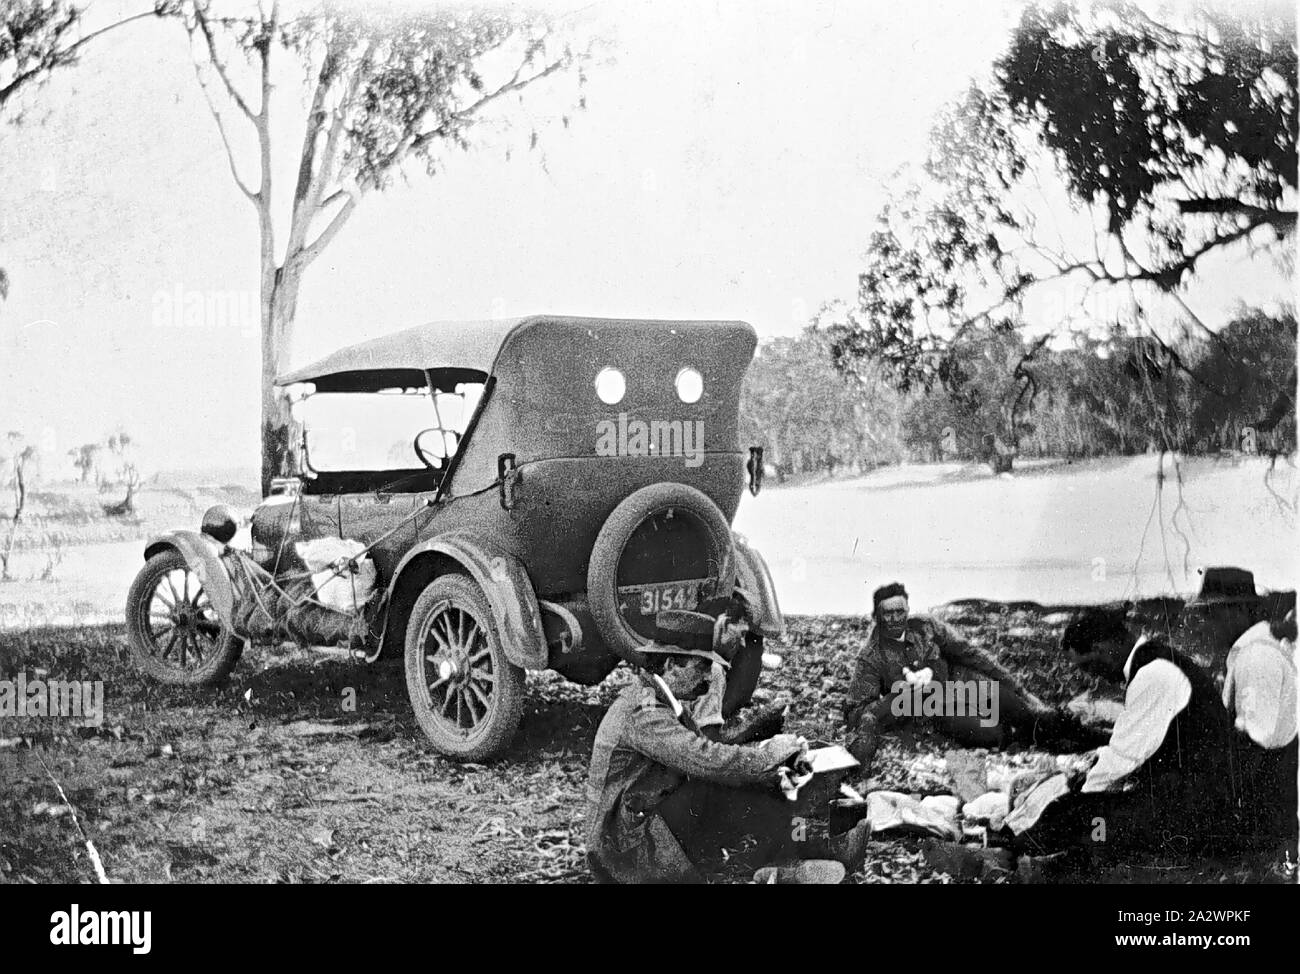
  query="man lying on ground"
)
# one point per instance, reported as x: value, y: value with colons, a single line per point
x: 664, y: 799
x: 1164, y: 781
x: 914, y: 666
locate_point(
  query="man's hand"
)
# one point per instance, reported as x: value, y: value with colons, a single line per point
x: 707, y: 710
x: 919, y: 677
x: 785, y: 748
x: 717, y: 678
x: 1079, y: 769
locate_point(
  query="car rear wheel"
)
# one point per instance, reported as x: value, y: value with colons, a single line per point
x: 175, y: 634
x: 666, y: 546
x: 467, y: 697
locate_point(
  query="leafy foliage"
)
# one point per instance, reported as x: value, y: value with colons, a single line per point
x: 1182, y: 132
x: 1117, y: 393
x: 1200, y: 108
x: 989, y: 383
x: 35, y: 38
x: 86, y: 459
x: 806, y: 416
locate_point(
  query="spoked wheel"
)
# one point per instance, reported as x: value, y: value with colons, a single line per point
x: 467, y: 696
x: 176, y: 635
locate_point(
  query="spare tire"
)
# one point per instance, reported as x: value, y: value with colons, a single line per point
x: 665, y: 546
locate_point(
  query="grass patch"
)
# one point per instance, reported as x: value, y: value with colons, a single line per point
x: 270, y: 778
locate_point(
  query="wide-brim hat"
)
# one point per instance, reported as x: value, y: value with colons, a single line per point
x: 1226, y: 586
x: 681, y: 632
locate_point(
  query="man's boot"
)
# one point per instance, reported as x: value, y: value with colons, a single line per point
x: 822, y: 859
x: 850, y: 848
x: 862, y: 745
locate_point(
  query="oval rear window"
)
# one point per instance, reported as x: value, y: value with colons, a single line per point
x: 610, y: 386
x: 690, y: 385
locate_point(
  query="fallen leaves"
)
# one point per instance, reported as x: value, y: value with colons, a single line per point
x: 194, y: 787
x: 51, y: 809
x: 314, y: 728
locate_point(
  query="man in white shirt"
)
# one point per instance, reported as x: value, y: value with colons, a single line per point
x: 1259, y: 683
x: 1164, y: 781
x: 1259, y: 692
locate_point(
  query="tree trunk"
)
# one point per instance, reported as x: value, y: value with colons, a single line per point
x: 20, y: 501
x: 280, y: 436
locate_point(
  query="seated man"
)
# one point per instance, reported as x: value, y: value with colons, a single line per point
x: 664, y: 798
x: 1259, y: 692
x: 902, y: 650
x: 1164, y: 780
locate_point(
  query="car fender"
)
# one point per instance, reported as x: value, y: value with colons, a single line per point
x: 203, y: 556
x: 753, y: 576
x: 504, y: 581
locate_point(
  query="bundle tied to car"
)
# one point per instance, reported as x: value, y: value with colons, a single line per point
x: 343, y: 578
x: 324, y: 606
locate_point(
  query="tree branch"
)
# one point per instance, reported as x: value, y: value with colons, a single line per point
x: 1283, y: 221
x: 303, y: 204
x: 516, y: 83
x: 313, y: 250
x: 254, y: 198
x: 57, y: 58
x: 201, y: 19
x: 87, y: 38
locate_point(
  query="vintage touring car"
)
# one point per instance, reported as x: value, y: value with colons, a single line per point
x: 492, y: 497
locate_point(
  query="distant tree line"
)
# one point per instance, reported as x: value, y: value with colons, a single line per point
x: 807, y: 416
x: 999, y: 394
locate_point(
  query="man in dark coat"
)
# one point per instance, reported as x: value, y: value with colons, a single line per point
x: 902, y: 648
x: 1165, y: 781
x: 663, y: 797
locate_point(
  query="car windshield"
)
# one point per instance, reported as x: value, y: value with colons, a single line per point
x: 377, y: 430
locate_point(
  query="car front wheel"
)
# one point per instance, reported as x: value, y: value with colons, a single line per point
x: 175, y: 634
x: 468, y: 698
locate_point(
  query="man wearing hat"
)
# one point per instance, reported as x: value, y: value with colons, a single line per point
x: 664, y: 797
x: 1226, y: 607
x: 1259, y: 692
x: 902, y: 649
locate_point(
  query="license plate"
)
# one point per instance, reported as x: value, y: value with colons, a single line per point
x: 646, y: 600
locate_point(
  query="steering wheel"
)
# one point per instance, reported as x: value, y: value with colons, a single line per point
x: 431, y: 461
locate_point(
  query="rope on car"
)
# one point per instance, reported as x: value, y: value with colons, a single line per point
x: 258, y: 579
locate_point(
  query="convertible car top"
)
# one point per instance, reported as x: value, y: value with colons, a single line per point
x: 480, y: 345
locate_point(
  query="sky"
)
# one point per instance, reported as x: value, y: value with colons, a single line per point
x: 729, y: 164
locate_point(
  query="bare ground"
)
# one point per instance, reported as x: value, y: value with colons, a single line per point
x: 271, y: 778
